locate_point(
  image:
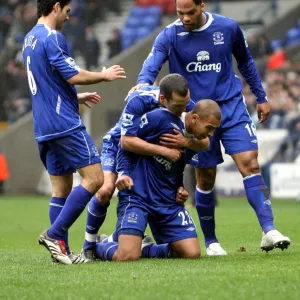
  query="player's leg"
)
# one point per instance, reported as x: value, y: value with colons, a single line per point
x: 259, y: 198
x: 175, y: 233
x: 99, y: 203
x: 131, y: 225
x: 61, y: 180
x: 205, y: 168
x: 61, y: 188
x: 187, y: 248
x: 240, y: 141
x: 97, y: 211
x: 79, y: 152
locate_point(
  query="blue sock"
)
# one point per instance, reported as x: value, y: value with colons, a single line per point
x: 96, y: 215
x: 74, y: 206
x: 259, y: 198
x: 205, y: 204
x: 156, y: 251
x: 105, y: 251
x: 55, y: 207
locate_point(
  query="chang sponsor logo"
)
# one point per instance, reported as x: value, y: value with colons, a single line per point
x: 163, y: 161
x: 201, y: 66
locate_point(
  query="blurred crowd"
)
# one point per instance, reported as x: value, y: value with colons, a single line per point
x: 281, y: 80
x: 280, y: 76
x: 17, y: 17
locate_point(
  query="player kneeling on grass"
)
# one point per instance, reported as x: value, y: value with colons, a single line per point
x: 151, y: 190
x: 173, y: 90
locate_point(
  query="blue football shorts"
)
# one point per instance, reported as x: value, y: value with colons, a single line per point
x: 65, y: 155
x: 168, y: 224
x: 237, y: 134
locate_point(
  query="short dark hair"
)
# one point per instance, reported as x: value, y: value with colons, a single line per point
x: 197, y: 2
x: 207, y: 107
x: 44, y: 7
x: 173, y: 83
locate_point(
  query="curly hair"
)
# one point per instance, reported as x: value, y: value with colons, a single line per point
x: 44, y: 7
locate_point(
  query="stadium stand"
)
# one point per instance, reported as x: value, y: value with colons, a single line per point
x: 282, y: 81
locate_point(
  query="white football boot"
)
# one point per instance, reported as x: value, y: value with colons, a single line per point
x: 215, y: 249
x: 274, y: 239
x: 57, y: 248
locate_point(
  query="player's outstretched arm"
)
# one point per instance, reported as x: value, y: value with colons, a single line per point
x: 138, y: 146
x: 85, y: 77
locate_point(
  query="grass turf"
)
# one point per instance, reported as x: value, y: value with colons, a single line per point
x: 26, y: 271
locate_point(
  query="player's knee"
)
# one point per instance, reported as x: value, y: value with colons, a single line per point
x: 205, y: 183
x: 194, y: 254
x: 206, y: 178
x: 93, y: 183
x: 128, y: 255
x: 251, y: 167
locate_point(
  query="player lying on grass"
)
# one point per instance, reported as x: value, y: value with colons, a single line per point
x: 139, y: 103
x: 151, y: 188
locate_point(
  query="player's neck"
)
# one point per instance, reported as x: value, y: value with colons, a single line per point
x: 203, y: 20
x: 48, y: 21
x: 187, y: 122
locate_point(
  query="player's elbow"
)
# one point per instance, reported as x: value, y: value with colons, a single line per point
x: 82, y: 78
x: 77, y: 79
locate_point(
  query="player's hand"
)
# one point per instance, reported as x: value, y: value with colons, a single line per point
x: 182, y: 195
x: 135, y: 88
x: 113, y: 73
x: 88, y: 98
x: 172, y: 155
x: 176, y: 140
x: 263, y: 111
x: 124, y: 182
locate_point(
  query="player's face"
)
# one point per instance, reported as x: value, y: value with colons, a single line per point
x: 62, y: 16
x: 204, y: 128
x: 190, y: 14
x: 177, y: 104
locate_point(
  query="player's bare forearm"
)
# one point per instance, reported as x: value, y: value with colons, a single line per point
x: 138, y: 146
x: 141, y: 147
x: 198, y: 145
x: 85, y: 77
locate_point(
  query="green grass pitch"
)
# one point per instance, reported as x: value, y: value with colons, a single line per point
x: 27, y: 273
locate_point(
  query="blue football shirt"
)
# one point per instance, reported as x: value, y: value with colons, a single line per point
x: 156, y: 179
x: 204, y: 58
x: 54, y: 100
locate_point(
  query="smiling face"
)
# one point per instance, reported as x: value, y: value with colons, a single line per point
x: 203, y: 128
x: 190, y: 14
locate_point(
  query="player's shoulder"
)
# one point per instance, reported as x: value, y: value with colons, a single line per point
x: 161, y: 113
x: 223, y: 20
x: 55, y: 35
x: 145, y: 95
x: 173, y: 28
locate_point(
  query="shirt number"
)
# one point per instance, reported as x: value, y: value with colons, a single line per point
x: 31, y: 81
